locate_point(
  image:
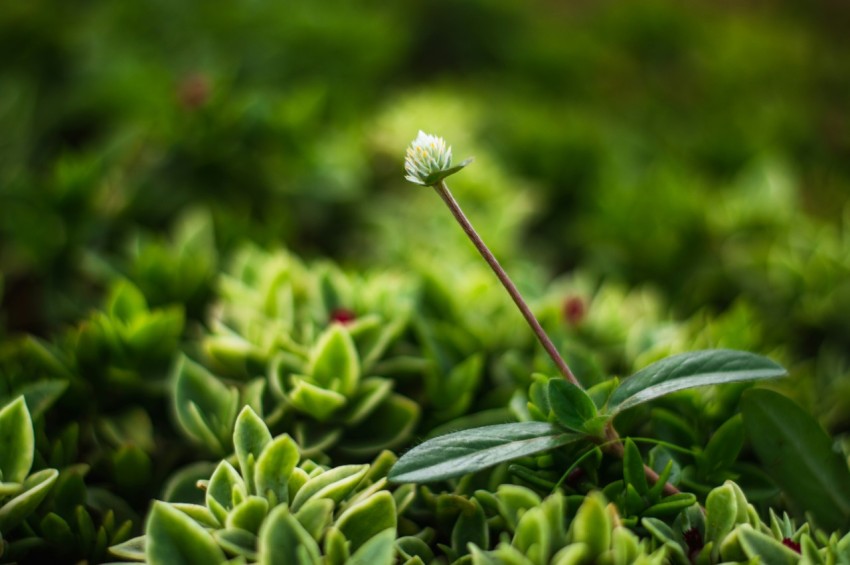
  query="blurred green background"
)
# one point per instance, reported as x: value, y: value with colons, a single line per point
x: 698, y: 152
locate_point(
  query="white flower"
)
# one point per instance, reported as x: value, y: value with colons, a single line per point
x: 429, y: 160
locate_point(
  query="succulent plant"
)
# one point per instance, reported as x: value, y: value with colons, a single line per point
x: 274, y: 507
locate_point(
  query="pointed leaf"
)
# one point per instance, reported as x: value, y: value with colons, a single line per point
x: 379, y: 550
x: 215, y: 404
x: 36, y: 487
x: 173, y: 538
x: 468, y: 451
x: 334, y: 363
x: 798, y: 454
x: 334, y: 484
x: 250, y: 436
x: 368, y: 518
x: 690, y: 370
x: 573, y: 408
x: 318, y: 402
x: 17, y: 441
x: 274, y: 467
x: 283, y: 541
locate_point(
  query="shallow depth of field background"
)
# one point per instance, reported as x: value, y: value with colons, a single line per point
x: 699, y: 152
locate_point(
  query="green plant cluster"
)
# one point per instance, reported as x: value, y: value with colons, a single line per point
x: 229, y: 331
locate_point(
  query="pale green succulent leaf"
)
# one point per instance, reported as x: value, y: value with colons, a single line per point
x: 132, y: 549
x: 334, y: 484
x: 379, y: 550
x: 238, y: 542
x: 173, y: 538
x: 763, y: 547
x: 220, y: 490
x: 274, y: 467
x: 250, y: 437
x: 249, y: 514
x: 361, y: 521
x: 334, y: 363
x: 17, y: 441
x: 316, y: 515
x: 35, y: 489
x: 309, y: 398
x: 284, y: 541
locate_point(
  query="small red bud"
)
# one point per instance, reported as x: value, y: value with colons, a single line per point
x: 574, y: 310
x: 342, y: 316
x: 788, y: 542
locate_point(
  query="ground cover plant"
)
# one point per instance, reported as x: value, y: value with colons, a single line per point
x: 230, y: 331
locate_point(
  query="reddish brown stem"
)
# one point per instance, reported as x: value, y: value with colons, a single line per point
x: 443, y: 190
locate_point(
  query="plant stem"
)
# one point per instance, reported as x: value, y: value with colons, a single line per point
x: 443, y: 190
x: 615, y: 446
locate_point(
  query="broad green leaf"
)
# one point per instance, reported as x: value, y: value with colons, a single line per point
x: 17, y: 441
x: 367, y: 518
x: 173, y: 538
x: 690, y: 370
x: 334, y: 363
x: 35, y: 488
x: 798, y: 454
x: 379, y: 550
x: 126, y: 302
x: 274, y: 467
x: 250, y: 436
x: 283, y: 541
x: 468, y: 451
x: 723, y: 447
x: 571, y: 405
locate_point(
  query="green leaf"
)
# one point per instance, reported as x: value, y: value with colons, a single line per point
x: 724, y: 446
x: 764, y: 548
x: 283, y: 541
x: 379, y: 550
x: 471, y: 527
x: 389, y: 425
x: 205, y: 407
x: 131, y: 550
x: 334, y: 484
x: 468, y: 451
x: 274, y: 467
x: 368, y: 518
x: 334, y: 363
x: 690, y: 370
x: 219, y: 497
x: 35, y: 488
x: 250, y: 436
x: 633, y: 471
x: 316, y: 515
x: 173, y: 538
x: 17, y: 441
x: 236, y: 541
x: 797, y: 453
x: 571, y: 405
x: 721, y: 510
x: 249, y: 514
x: 317, y: 401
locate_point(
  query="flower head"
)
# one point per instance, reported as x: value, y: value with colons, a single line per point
x: 429, y: 160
